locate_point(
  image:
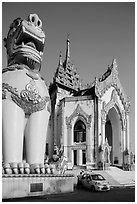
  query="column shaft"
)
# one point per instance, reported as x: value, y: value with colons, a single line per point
x: 79, y: 158
x: 69, y: 143
x: 127, y: 135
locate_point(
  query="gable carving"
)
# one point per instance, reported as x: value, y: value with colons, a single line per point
x: 114, y: 103
x: 112, y: 81
x: 79, y: 112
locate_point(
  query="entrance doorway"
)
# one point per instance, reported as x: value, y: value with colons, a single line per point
x: 84, y: 156
x: 75, y: 157
x: 79, y: 157
x: 109, y: 136
x: 113, y: 134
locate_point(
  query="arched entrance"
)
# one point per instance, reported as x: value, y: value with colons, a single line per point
x: 109, y: 136
x: 79, y: 131
x: 113, y: 135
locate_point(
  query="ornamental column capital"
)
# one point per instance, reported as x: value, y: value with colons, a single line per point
x: 103, y: 116
x: 99, y: 100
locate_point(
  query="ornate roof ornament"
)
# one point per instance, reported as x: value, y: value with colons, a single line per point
x: 67, y: 51
x: 110, y: 79
x: 60, y: 59
x: 114, y: 64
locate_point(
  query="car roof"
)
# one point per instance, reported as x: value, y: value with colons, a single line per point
x: 88, y: 173
x: 91, y: 173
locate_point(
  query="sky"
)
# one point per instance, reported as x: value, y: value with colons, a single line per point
x: 98, y: 32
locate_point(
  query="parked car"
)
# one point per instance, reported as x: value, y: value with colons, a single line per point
x: 95, y: 182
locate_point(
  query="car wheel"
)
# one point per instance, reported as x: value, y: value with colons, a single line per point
x: 93, y: 188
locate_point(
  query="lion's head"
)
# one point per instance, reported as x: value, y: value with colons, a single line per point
x: 25, y: 42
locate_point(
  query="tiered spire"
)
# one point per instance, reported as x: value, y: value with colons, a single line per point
x: 67, y: 51
x: 66, y: 74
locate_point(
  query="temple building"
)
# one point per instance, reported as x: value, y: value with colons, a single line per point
x: 90, y: 123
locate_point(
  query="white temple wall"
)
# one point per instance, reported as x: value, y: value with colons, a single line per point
x: 88, y: 107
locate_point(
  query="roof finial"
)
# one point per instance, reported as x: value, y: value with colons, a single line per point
x: 114, y: 64
x: 67, y: 50
x: 60, y: 58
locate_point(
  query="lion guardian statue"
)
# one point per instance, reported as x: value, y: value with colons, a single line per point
x: 25, y: 97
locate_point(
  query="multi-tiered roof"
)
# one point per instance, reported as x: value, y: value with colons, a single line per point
x: 66, y: 74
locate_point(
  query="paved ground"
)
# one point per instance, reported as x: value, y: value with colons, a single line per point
x: 123, y: 177
x: 85, y: 195
x: 115, y: 176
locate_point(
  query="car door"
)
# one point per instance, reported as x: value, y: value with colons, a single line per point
x: 88, y: 181
x: 84, y: 180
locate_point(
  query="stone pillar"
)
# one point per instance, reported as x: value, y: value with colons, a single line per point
x: 88, y: 155
x: 99, y: 121
x: 79, y: 156
x: 124, y: 139
x: 103, y: 122
x: 69, y: 143
x: 96, y: 130
x: 90, y: 162
x: 121, y: 147
x: 127, y: 135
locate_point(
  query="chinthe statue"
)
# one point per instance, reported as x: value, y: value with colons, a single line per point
x: 25, y: 104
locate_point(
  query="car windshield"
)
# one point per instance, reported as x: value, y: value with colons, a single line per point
x: 98, y: 177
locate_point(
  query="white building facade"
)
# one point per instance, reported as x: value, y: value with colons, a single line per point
x: 90, y: 124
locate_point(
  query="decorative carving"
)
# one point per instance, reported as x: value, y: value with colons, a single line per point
x: 113, y: 102
x: 14, y: 67
x: 79, y: 112
x: 99, y: 100
x: 112, y: 80
x: 29, y: 99
x: 7, y: 87
x: 124, y: 121
x: 103, y: 116
x: 68, y: 123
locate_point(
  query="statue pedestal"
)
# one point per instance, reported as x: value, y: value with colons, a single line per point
x: 15, y: 186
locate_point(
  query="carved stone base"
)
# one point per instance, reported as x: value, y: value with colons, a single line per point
x: 32, y: 185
